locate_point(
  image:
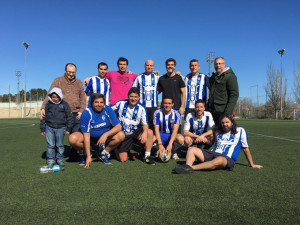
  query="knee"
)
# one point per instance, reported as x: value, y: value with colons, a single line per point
x: 192, y: 149
x: 123, y: 157
x: 220, y: 161
x: 72, y: 139
x: 150, y: 133
x: 187, y: 140
x: 180, y: 139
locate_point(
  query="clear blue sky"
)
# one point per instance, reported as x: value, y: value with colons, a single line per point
x: 247, y: 34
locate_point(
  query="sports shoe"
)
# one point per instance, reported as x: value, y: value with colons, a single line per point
x: 175, y: 156
x: 50, y: 165
x: 82, y: 160
x: 104, y: 158
x: 183, y: 169
x: 61, y: 163
x: 149, y: 160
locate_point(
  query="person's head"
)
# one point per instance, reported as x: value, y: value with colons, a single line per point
x: 227, y: 123
x: 55, y: 97
x: 194, y: 66
x: 133, y: 96
x: 199, y: 107
x: 149, y: 66
x: 122, y: 64
x: 170, y: 65
x: 219, y: 65
x: 168, y: 103
x: 97, y: 102
x: 70, y: 71
x: 102, y: 69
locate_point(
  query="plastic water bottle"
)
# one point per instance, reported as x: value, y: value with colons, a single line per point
x: 48, y: 169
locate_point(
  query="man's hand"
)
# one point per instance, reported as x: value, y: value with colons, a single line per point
x: 156, y: 72
x: 257, y: 166
x: 42, y: 113
x: 86, y: 81
x: 78, y: 115
x: 43, y: 133
x: 169, y: 149
x: 88, y: 161
x: 161, y: 149
x: 67, y: 132
x: 143, y: 137
x: 102, y: 140
x: 181, y: 110
x: 178, y: 73
x: 129, y: 72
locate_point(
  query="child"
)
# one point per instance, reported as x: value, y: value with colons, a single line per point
x: 58, y: 115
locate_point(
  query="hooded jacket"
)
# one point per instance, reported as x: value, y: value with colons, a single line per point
x: 58, y: 115
x: 223, y: 93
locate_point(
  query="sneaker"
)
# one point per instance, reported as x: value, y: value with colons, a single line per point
x: 175, y: 156
x: 61, y: 163
x: 104, y: 159
x: 149, y: 161
x: 183, y: 169
x: 82, y: 160
x: 50, y: 165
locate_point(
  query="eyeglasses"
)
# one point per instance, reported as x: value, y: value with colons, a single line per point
x: 219, y: 63
x: 70, y: 72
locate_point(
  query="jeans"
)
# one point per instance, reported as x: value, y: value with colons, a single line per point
x: 55, y: 139
x: 76, y: 124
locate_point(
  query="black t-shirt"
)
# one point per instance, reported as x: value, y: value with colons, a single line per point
x: 171, y: 86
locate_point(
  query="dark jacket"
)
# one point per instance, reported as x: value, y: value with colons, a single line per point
x: 223, y: 93
x: 57, y: 115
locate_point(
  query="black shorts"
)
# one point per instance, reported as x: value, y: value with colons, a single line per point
x: 150, y: 112
x: 210, y: 155
x: 126, y: 145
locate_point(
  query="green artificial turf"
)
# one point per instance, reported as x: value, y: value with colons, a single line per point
x: 136, y: 193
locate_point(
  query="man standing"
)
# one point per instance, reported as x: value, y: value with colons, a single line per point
x: 197, y: 123
x: 196, y: 84
x: 100, y: 126
x: 147, y: 84
x: 133, y: 118
x: 73, y: 93
x: 224, y: 90
x: 229, y: 140
x: 99, y: 84
x: 166, y: 126
x: 171, y: 84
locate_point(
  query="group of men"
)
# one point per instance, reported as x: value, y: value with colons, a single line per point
x: 123, y: 107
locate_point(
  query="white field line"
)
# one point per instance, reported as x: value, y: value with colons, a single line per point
x: 285, y: 139
x: 16, y: 126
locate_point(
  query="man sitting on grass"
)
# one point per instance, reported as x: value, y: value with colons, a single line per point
x: 99, y: 125
x: 229, y: 140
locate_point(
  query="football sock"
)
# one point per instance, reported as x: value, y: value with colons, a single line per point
x: 147, y: 154
x: 104, y: 152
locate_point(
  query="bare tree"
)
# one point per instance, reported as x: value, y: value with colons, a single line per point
x: 297, y: 83
x: 273, y: 88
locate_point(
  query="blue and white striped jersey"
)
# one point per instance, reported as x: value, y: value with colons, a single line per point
x: 231, y: 144
x: 130, y: 116
x: 148, y: 89
x: 98, y: 85
x: 196, y: 126
x: 195, y: 88
x: 98, y: 123
x: 166, y: 122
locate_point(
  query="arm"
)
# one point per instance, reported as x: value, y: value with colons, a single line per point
x: 109, y: 133
x: 233, y: 94
x: 82, y: 98
x: 183, y: 94
x: 69, y: 117
x: 86, y: 80
x: 249, y: 158
x: 86, y: 147
x: 161, y: 148
x: 172, y: 139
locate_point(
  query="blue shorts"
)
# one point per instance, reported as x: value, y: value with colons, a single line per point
x: 165, y: 138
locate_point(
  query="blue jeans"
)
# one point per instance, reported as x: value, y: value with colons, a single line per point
x: 55, y: 139
x: 76, y: 124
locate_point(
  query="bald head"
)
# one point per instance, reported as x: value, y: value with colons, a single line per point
x: 149, y: 66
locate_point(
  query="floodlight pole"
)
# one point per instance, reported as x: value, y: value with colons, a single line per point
x: 210, y: 60
x: 26, y: 46
x: 281, y: 52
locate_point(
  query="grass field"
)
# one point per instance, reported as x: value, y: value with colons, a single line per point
x: 136, y: 193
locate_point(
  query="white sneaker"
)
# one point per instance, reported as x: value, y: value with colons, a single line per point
x: 175, y: 156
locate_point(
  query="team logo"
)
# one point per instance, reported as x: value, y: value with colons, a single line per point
x: 103, y: 117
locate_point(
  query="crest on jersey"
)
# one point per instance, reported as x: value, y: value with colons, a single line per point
x: 103, y: 117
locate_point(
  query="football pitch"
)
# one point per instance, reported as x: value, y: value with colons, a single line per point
x: 136, y: 193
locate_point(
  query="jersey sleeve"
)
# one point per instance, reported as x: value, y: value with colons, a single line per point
x: 89, y: 86
x: 211, y: 122
x: 177, y: 117
x: 85, y: 121
x: 112, y: 116
x: 156, y: 117
x: 144, y: 119
x: 187, y: 124
x: 244, y: 138
x: 182, y: 83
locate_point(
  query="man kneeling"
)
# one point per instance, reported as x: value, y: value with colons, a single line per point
x: 229, y: 140
x: 99, y: 125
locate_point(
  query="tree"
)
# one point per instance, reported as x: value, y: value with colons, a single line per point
x: 273, y: 88
x: 297, y: 83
